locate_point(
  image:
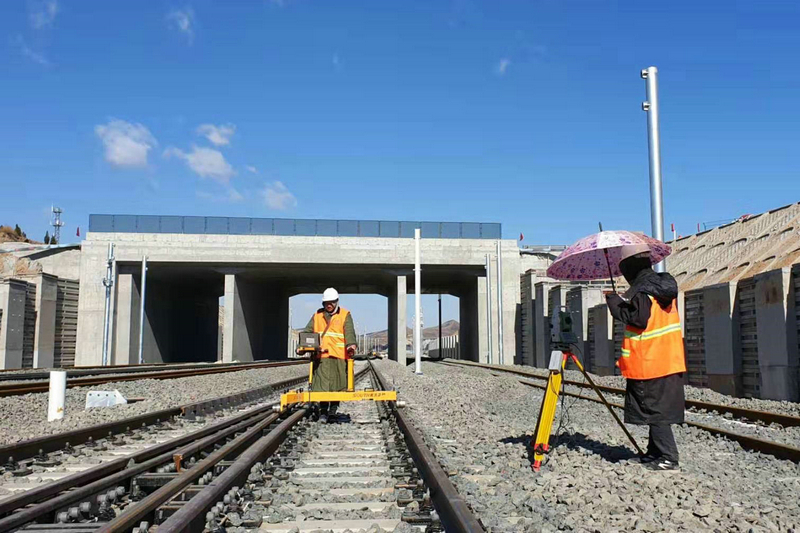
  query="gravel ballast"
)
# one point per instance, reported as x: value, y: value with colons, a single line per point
x: 480, y: 427
x: 699, y: 394
x: 25, y: 416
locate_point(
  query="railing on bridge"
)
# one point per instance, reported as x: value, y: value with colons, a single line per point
x: 291, y: 227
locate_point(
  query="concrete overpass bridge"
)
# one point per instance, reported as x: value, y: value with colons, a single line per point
x: 257, y: 264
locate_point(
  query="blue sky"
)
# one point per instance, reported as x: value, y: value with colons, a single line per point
x: 526, y: 113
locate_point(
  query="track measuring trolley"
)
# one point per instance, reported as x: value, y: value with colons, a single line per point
x: 310, y: 345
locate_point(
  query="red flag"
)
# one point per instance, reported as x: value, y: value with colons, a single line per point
x: 521, y: 236
x: 78, y: 234
x: 673, y: 227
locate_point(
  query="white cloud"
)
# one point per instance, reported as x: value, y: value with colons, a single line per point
x: 183, y: 21
x: 502, y: 66
x: 231, y: 196
x: 126, y: 144
x: 278, y: 197
x: 234, y: 195
x: 218, y: 135
x: 42, y: 14
x: 251, y: 168
x: 205, y: 162
x: 29, y: 52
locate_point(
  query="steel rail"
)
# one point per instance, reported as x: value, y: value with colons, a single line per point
x: 191, y: 516
x: 15, y: 389
x: 18, y: 374
x: 82, y: 486
x: 104, y: 469
x: 781, y: 451
x: 143, y: 510
x: 50, y: 443
x: 73, y: 489
x: 739, y: 412
x: 451, y: 507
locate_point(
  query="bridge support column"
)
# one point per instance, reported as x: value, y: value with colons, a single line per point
x: 256, y: 321
x: 125, y: 349
x: 275, y: 331
x: 397, y: 321
x: 469, y: 322
x: 236, y: 339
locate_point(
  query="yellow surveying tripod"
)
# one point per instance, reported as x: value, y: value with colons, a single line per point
x: 558, y: 360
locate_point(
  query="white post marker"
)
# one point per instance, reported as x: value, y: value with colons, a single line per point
x: 57, y: 395
x: 417, y: 305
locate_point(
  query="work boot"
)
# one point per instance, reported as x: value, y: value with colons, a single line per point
x: 663, y: 465
x: 644, y: 459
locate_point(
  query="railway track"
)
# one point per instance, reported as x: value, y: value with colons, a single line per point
x: 20, y: 456
x: 748, y: 442
x: 260, y: 469
x: 41, y: 384
x: 12, y: 374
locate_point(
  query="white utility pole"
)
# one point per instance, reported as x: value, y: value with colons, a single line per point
x: 417, y: 305
x: 650, y: 76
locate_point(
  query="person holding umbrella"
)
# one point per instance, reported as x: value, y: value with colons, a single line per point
x: 652, y: 360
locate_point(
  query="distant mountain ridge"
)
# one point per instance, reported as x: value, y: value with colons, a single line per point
x: 449, y: 327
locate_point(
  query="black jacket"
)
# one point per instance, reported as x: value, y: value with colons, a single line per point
x: 650, y: 401
x: 634, y: 308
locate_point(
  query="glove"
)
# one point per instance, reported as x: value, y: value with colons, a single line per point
x: 351, y: 350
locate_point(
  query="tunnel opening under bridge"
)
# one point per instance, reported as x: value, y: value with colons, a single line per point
x: 217, y: 312
x: 373, y: 333
x: 181, y: 318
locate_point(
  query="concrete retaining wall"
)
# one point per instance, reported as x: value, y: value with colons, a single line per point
x: 30, y: 321
x: 741, y: 338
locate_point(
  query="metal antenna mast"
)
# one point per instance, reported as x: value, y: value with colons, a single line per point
x: 56, y: 223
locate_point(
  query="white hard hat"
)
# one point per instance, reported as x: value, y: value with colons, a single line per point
x: 330, y: 295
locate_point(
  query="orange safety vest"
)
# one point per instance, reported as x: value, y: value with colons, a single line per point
x: 657, y: 350
x: 332, y: 344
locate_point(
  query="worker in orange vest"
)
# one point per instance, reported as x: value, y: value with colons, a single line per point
x: 652, y: 358
x: 337, y: 344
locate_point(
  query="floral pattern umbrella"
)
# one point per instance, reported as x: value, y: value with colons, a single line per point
x: 585, y: 260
